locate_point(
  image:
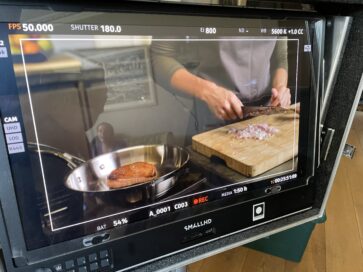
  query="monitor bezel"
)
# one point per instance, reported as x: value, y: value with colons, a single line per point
x: 13, y: 225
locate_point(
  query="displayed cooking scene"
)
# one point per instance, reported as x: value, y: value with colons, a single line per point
x: 121, y: 124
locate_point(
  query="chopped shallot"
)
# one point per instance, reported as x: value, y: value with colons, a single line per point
x: 258, y: 132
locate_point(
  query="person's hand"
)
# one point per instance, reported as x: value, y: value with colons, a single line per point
x: 223, y: 103
x: 280, y: 97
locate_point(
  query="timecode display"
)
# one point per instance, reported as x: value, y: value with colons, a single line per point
x: 284, y: 178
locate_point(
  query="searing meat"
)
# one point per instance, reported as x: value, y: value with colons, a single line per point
x: 257, y: 131
x: 130, y: 174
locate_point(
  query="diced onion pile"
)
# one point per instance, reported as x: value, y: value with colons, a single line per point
x: 257, y: 132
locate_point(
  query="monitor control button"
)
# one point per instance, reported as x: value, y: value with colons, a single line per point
x: 93, y: 266
x: 81, y: 260
x: 82, y: 269
x: 105, y: 262
x: 69, y: 264
x: 104, y: 254
x: 58, y: 268
x: 92, y: 257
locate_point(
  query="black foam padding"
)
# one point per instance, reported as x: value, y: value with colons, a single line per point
x: 342, y: 100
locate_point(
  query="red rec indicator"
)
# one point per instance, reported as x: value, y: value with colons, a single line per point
x: 200, y: 200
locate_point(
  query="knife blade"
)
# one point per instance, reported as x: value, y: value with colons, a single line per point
x: 253, y: 111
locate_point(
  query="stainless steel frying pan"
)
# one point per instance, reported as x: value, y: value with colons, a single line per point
x: 91, y: 176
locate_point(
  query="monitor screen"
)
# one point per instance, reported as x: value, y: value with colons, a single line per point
x: 116, y: 118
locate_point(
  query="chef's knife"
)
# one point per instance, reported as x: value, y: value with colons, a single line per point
x: 253, y: 111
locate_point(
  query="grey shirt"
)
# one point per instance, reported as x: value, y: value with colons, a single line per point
x: 243, y: 66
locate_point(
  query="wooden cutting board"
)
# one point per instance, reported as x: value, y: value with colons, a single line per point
x: 248, y: 156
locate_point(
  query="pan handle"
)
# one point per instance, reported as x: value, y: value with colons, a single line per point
x: 72, y: 161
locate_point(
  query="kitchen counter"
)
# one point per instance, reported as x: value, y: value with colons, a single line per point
x: 55, y: 64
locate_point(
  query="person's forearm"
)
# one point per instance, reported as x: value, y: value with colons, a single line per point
x: 222, y: 102
x: 191, y: 84
x: 280, y: 78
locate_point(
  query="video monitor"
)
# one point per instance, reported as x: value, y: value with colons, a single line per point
x: 117, y: 118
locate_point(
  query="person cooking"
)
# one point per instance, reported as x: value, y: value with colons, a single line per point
x: 226, y: 74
